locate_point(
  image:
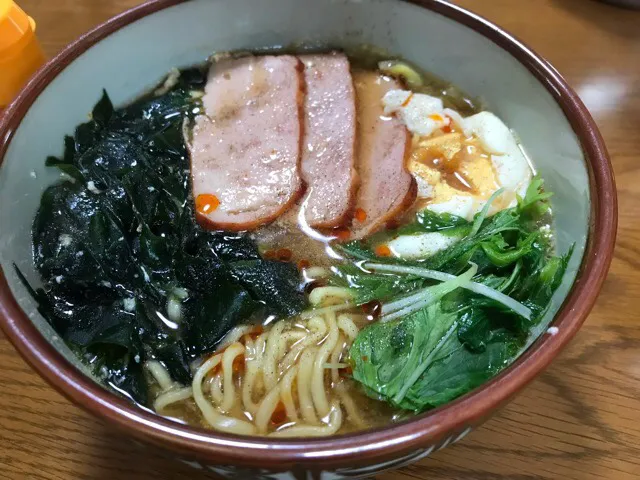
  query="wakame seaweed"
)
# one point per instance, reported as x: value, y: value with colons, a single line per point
x: 116, y: 241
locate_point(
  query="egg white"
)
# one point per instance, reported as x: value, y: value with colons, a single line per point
x: 511, y: 166
x: 422, y: 114
x: 423, y: 245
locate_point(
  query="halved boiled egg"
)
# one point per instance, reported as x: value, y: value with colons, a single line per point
x: 458, y: 164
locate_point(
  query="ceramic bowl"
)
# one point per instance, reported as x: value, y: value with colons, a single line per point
x: 634, y: 4
x: 133, y: 51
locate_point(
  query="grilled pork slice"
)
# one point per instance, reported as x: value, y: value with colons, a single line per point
x: 328, y: 148
x: 387, y: 189
x: 245, y: 148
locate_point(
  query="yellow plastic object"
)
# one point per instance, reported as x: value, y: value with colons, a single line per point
x: 20, y: 52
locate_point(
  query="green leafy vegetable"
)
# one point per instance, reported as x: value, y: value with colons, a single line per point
x: 418, y: 362
x: 454, y: 259
x: 427, y: 221
x: 456, y: 370
x: 535, y: 201
x: 422, y: 298
x: 429, y: 349
x: 482, y: 288
x: 501, y: 255
x: 368, y: 286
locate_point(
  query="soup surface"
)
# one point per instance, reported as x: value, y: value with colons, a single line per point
x: 295, y: 245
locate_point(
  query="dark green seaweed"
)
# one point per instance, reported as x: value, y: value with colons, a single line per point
x: 117, y: 239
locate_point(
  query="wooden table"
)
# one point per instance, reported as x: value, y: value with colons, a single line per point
x: 579, y: 420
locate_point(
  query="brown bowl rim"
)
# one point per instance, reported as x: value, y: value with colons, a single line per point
x: 367, y: 446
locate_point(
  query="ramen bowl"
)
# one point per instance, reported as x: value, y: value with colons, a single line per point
x: 132, y: 52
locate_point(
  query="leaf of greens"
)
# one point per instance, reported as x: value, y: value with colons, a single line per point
x: 387, y: 357
x: 500, y: 255
x: 355, y: 249
x: 454, y: 258
x: 482, y: 288
x: 537, y: 286
x: 456, y: 371
x: 535, y: 202
x: 482, y: 215
x: 368, y: 286
x: 408, y: 304
x: 416, y: 363
x: 428, y: 221
x: 483, y: 323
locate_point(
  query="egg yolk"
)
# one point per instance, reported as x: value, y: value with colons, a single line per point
x: 453, y: 165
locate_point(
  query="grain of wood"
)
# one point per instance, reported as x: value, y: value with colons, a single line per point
x: 579, y: 420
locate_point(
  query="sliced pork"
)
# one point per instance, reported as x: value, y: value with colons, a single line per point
x: 387, y: 189
x: 245, y: 149
x: 328, y: 149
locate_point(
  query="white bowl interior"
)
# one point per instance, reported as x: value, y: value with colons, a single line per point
x: 130, y: 61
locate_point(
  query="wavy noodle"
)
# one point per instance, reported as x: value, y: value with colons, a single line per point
x: 170, y: 391
x: 294, y: 352
x: 228, y: 387
x: 269, y: 370
x: 323, y: 310
x: 333, y: 424
x: 330, y: 296
x: 305, y: 371
x: 282, y: 380
x: 286, y: 393
x: 336, y: 354
x: 235, y: 334
x: 215, y: 387
x: 252, y: 367
x: 349, y: 405
x: 315, y: 273
x: 267, y: 407
x: 172, y: 396
x: 160, y: 374
x: 348, y: 326
x: 212, y: 416
x: 318, y: 390
x: 319, y: 328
